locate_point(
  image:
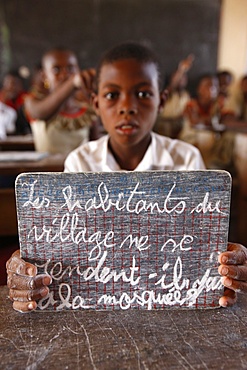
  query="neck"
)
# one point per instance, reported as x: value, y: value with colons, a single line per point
x: 128, y: 157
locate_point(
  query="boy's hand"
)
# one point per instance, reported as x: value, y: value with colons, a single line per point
x: 25, y: 286
x: 233, y: 268
x: 84, y: 82
x: 185, y: 64
x: 88, y: 78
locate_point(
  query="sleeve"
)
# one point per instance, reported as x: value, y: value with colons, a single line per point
x: 77, y: 161
x: 196, y: 162
x: 71, y: 163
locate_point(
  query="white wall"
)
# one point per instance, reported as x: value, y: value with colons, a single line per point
x: 232, y: 53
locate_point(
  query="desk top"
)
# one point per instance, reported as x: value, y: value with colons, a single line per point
x: 230, y: 125
x: 236, y: 126
x: 17, y: 142
x: 50, y: 163
x: 132, y: 339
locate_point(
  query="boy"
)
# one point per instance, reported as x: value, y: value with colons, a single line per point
x: 204, y: 119
x: 128, y: 101
x: 61, y: 118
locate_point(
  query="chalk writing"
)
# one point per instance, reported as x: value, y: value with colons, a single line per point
x: 124, y: 240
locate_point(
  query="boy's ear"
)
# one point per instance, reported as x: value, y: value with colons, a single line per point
x: 95, y: 103
x: 163, y: 98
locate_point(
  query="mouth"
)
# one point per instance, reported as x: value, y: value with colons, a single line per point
x: 127, y: 127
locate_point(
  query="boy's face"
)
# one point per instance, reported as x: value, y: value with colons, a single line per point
x: 58, y: 66
x: 208, y: 88
x: 128, y: 100
x: 12, y: 86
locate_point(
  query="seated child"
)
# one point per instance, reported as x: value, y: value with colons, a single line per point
x: 225, y: 79
x: 242, y: 100
x: 12, y: 95
x: 7, y: 120
x: 204, y: 117
x: 61, y: 119
x: 170, y: 118
x: 127, y: 99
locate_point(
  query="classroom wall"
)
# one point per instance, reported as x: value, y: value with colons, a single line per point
x: 174, y: 28
x: 232, y: 52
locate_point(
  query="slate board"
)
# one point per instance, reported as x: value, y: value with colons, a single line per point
x: 143, y: 240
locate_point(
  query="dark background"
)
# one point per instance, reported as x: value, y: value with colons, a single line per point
x: 175, y: 28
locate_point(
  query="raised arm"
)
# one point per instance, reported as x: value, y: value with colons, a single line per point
x: 51, y: 104
x: 183, y: 67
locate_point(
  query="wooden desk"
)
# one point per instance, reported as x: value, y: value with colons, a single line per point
x: 236, y: 126
x: 171, y: 339
x: 17, y: 142
x: 229, y: 125
x: 51, y: 163
x: 8, y: 219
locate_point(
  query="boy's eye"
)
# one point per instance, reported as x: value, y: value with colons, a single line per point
x: 71, y: 69
x: 111, y: 95
x: 143, y: 94
x: 68, y: 69
x: 56, y: 70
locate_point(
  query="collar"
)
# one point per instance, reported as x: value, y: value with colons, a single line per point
x: 155, y: 158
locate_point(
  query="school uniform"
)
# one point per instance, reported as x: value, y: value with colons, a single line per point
x: 163, y: 153
x: 63, y: 132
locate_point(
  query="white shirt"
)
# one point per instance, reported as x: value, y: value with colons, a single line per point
x: 175, y: 105
x: 7, y: 120
x: 163, y: 153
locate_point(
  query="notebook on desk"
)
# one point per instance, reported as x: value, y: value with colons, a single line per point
x: 21, y: 156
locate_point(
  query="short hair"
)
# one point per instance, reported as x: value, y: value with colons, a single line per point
x: 128, y: 50
x: 59, y: 49
x: 224, y: 73
x: 14, y: 73
x: 205, y: 76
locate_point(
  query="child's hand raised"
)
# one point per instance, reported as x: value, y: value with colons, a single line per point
x: 85, y: 82
x: 186, y: 64
x: 25, y: 286
x: 233, y: 268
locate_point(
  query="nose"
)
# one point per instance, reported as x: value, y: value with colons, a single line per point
x: 64, y: 73
x: 127, y: 106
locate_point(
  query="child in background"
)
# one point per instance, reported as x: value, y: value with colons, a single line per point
x: 226, y: 95
x: 225, y: 80
x: 204, y: 118
x: 12, y: 92
x: 128, y: 99
x: 7, y: 120
x: 242, y: 101
x: 170, y: 118
x: 37, y: 87
x: 61, y: 119
x: 13, y: 95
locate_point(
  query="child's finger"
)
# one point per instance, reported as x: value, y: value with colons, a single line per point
x: 236, y: 255
x: 88, y: 78
x: 28, y: 295
x: 25, y: 282
x: 238, y: 272
x: 236, y: 285
x: 228, y: 299
x: 24, y: 306
x: 17, y: 265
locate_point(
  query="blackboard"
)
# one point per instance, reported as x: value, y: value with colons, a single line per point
x: 144, y: 240
x: 174, y: 28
